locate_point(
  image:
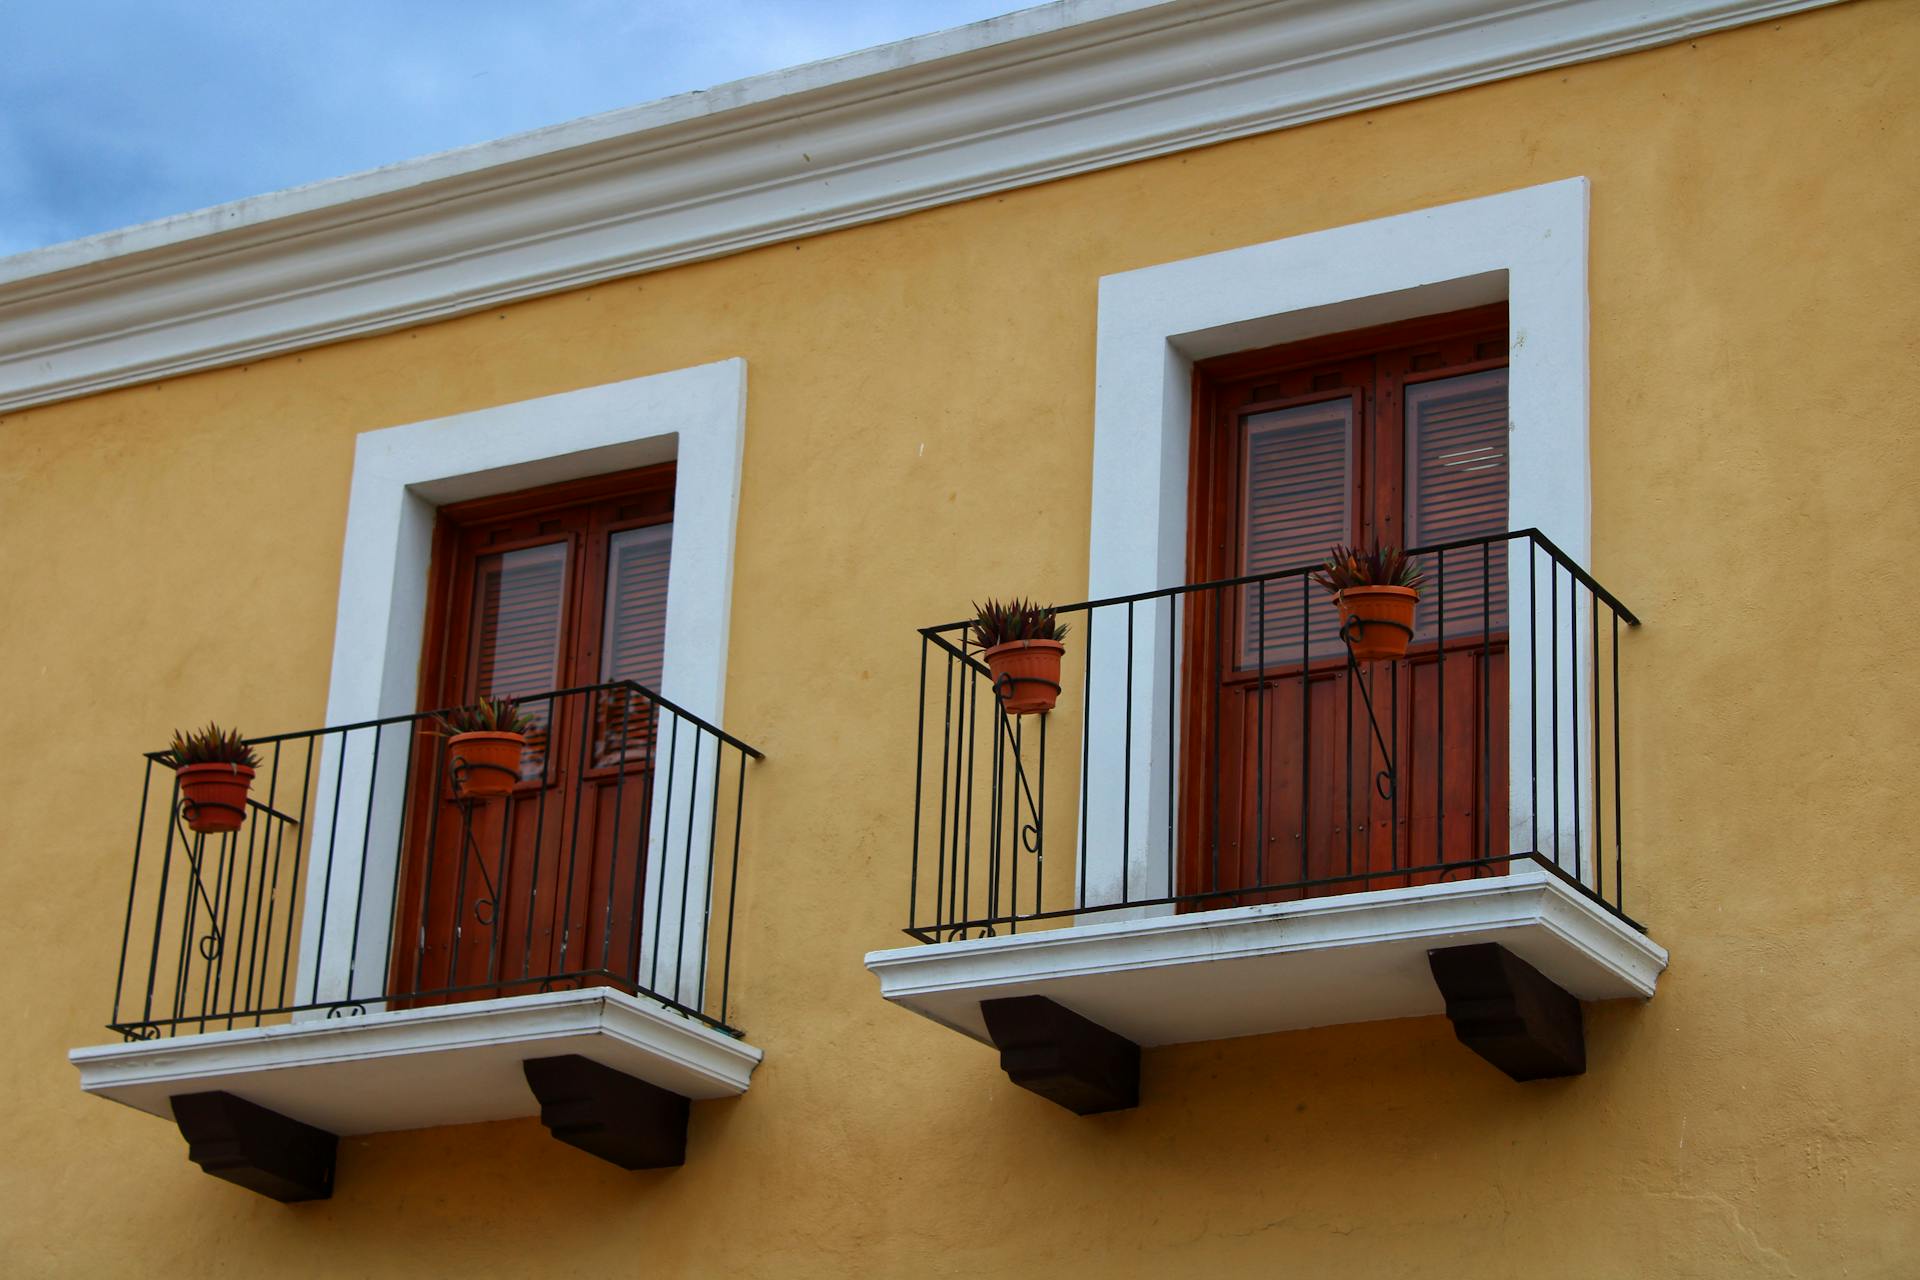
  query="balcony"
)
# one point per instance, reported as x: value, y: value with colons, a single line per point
x: 1231, y: 826
x: 377, y: 948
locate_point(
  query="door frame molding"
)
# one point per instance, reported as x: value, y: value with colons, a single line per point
x: 1528, y: 247
x: 696, y: 417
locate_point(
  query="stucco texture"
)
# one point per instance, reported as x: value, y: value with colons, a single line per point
x: 919, y: 432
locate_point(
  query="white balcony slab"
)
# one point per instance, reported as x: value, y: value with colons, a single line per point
x: 1242, y: 971
x: 419, y: 1068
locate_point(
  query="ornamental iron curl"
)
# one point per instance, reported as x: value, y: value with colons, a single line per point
x: 211, y: 943
x: 1029, y: 831
x: 485, y: 908
x: 1386, y: 780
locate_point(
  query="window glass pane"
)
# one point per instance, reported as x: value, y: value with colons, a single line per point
x: 1296, y: 469
x: 633, y: 635
x: 1457, y: 488
x: 519, y: 602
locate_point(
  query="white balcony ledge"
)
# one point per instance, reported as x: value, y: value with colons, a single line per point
x: 1215, y: 975
x: 418, y: 1068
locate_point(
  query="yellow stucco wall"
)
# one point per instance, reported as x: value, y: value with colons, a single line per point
x: 172, y: 551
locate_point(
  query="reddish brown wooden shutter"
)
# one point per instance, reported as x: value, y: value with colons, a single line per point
x: 1457, y: 488
x: 1297, y: 471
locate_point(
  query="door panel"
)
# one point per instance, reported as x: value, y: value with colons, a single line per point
x: 1452, y: 758
x: 1395, y: 435
x: 541, y: 591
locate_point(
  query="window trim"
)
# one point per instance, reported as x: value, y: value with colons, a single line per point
x: 1527, y: 246
x: 694, y: 416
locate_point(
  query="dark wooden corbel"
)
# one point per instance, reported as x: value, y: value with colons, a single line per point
x: 610, y: 1114
x: 1509, y: 1013
x: 1063, y: 1057
x: 252, y: 1147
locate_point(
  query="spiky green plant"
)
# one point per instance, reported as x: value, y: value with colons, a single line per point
x: 997, y: 622
x: 1376, y: 567
x: 211, y: 745
x: 496, y: 715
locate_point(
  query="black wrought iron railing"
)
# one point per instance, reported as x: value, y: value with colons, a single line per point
x: 366, y: 875
x: 1219, y: 744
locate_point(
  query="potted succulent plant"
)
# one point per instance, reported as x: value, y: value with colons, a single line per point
x: 214, y: 768
x: 1020, y: 643
x: 484, y: 745
x: 1375, y: 592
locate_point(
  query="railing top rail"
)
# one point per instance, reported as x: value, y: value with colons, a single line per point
x: 414, y: 716
x: 1540, y: 539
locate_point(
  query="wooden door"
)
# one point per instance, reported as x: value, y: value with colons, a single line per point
x: 1301, y: 776
x: 534, y: 593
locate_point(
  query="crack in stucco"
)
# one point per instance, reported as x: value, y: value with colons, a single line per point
x: 1778, y: 1263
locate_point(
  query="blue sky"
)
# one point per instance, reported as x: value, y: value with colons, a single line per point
x: 114, y: 112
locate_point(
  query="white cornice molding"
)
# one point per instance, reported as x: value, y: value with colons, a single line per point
x: 1063, y: 89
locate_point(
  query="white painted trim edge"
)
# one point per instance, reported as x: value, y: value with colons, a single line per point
x: 725, y: 1063
x: 1528, y: 897
x: 1527, y: 246
x: 1063, y: 89
x: 694, y: 416
x: 697, y: 417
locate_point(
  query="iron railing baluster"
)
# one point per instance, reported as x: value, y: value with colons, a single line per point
x: 220, y: 931
x: 1408, y: 737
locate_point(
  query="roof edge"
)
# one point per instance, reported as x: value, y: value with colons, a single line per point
x: 502, y: 157
x: 1025, y: 98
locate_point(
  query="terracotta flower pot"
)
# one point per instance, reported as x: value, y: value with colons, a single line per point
x: 1026, y: 674
x: 1385, y: 620
x: 213, y: 797
x: 485, y: 765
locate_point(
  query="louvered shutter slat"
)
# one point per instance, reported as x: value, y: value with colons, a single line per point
x: 1457, y: 489
x: 519, y: 605
x: 633, y: 642
x: 1296, y: 468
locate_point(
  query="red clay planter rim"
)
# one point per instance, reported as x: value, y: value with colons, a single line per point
x: 1410, y: 592
x: 1007, y: 646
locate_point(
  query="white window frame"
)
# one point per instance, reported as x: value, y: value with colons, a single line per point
x: 1528, y: 247
x: 695, y: 417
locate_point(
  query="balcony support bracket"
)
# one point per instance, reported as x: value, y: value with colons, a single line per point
x: 252, y: 1147
x: 1065, y: 1058
x: 1506, y: 1011
x: 620, y: 1118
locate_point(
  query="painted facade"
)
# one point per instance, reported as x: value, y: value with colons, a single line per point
x: 919, y: 429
